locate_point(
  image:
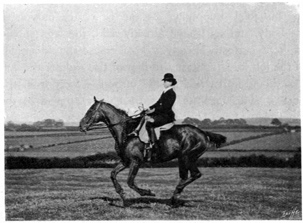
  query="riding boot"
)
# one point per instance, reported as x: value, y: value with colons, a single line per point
x: 137, y: 130
x: 153, y: 143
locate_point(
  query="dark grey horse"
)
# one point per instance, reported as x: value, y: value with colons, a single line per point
x: 185, y: 142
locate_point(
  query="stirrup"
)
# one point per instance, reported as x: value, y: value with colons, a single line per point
x: 148, y: 154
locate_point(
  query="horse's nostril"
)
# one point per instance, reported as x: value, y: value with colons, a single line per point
x: 82, y: 129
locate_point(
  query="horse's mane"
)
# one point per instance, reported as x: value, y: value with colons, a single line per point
x: 131, y: 124
x: 120, y: 111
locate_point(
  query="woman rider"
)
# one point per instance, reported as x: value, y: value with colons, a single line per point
x: 161, y: 112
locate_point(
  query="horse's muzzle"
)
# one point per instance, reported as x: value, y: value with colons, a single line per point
x: 82, y: 129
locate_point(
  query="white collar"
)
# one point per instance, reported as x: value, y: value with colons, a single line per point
x: 166, y: 89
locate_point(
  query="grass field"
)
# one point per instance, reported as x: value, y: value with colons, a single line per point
x: 88, y: 194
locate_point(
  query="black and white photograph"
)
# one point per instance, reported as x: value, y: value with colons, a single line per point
x: 151, y: 111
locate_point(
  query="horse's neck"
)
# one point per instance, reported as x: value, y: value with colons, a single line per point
x: 113, y: 117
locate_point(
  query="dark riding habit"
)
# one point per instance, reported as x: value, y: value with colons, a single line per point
x: 163, y: 106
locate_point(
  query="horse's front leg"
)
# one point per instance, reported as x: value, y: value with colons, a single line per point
x: 113, y: 177
x: 134, y: 167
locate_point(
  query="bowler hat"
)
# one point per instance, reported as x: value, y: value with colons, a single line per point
x: 169, y: 77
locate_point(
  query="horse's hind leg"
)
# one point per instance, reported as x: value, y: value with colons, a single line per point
x: 184, y: 166
x: 134, y: 167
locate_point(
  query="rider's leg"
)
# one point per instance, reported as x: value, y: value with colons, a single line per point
x: 151, y: 123
x: 153, y: 139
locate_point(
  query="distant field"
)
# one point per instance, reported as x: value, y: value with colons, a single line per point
x: 88, y: 194
x: 42, y: 141
x: 231, y: 153
x: 11, y: 134
x: 266, y: 145
x: 231, y: 136
x: 70, y: 150
x: 16, y: 134
x: 289, y: 141
x: 38, y: 139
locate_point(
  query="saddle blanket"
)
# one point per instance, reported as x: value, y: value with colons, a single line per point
x: 143, y: 135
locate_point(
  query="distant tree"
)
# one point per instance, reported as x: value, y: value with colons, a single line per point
x: 216, y: 122
x: 276, y: 122
x: 206, y: 122
x: 26, y: 127
x: 192, y: 121
x: 49, y: 122
x: 38, y: 124
x: 230, y: 122
x: 59, y: 123
x: 10, y: 126
x: 242, y: 121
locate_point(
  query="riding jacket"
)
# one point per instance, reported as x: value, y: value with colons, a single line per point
x: 163, y: 106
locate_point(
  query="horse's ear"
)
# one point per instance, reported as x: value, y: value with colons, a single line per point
x: 97, y: 100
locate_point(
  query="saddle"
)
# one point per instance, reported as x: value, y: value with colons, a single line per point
x: 143, y: 135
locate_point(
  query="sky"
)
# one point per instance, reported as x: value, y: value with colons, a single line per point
x: 231, y: 60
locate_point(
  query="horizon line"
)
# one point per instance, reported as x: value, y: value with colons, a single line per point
x: 73, y: 121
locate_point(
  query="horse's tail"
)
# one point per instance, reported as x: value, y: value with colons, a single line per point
x: 216, y: 138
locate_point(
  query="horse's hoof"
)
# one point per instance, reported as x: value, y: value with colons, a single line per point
x: 148, y: 193
x: 174, y: 202
x: 152, y: 194
x: 125, y: 204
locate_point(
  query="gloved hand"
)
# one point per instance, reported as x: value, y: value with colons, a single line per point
x: 149, y: 111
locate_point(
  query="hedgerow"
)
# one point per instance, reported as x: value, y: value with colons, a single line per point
x: 109, y: 160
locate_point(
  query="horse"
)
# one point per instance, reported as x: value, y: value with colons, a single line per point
x: 184, y: 142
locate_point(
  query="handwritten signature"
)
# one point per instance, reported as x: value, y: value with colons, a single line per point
x: 294, y: 213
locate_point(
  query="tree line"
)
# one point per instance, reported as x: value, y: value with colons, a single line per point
x: 209, y: 123
x: 52, y: 124
x: 39, y: 125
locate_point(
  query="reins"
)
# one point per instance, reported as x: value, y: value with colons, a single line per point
x: 108, y: 125
x: 123, y: 121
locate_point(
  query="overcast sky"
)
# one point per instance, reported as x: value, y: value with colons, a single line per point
x: 230, y: 60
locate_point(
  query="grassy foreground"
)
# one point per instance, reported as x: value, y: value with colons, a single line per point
x: 88, y: 194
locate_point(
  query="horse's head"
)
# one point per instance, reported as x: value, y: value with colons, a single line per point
x: 92, y: 116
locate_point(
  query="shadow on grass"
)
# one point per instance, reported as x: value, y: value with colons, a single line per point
x: 117, y: 202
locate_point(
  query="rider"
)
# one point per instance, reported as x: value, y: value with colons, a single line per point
x: 161, y: 112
